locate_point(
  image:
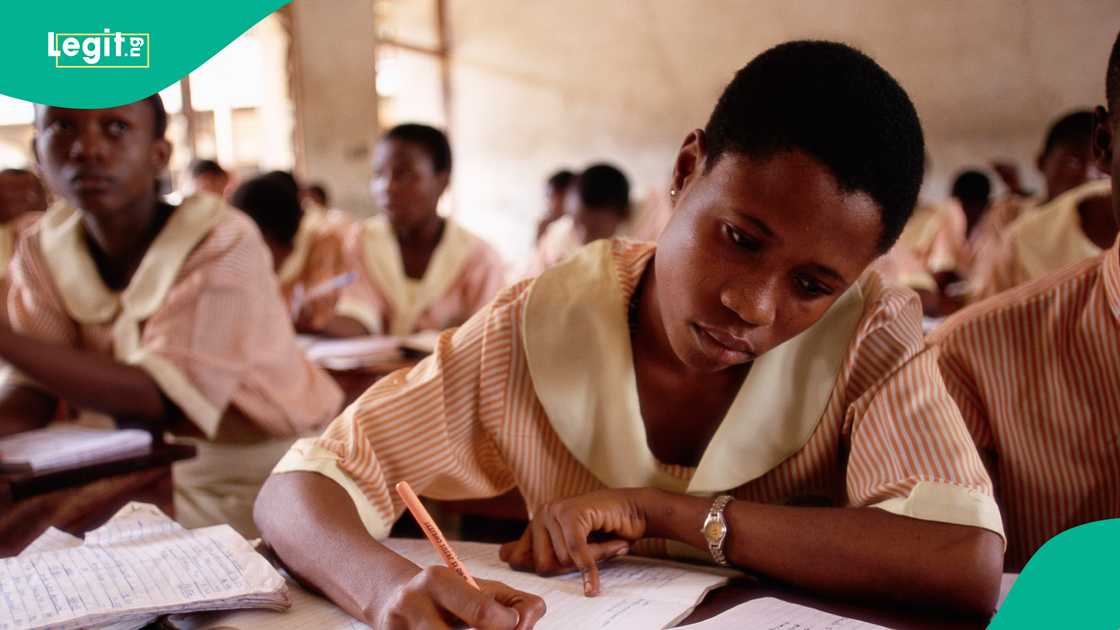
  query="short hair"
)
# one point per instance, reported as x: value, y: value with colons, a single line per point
x: 159, y: 115
x: 199, y: 167
x: 604, y: 186
x: 432, y: 140
x: 560, y: 180
x: 1074, y: 129
x: 972, y: 186
x: 272, y: 202
x: 1112, y: 77
x: 319, y: 191
x: 206, y: 167
x: 835, y: 104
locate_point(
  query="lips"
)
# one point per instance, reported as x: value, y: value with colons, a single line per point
x: 91, y: 181
x: 723, y: 346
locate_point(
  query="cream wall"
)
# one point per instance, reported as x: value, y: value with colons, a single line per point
x: 541, y: 84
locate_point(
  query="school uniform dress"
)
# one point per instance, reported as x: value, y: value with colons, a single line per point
x: 202, y: 315
x: 463, y: 275
x: 10, y: 233
x: 538, y: 392
x: 1043, y: 241
x: 316, y: 258
x: 932, y: 242
x: 558, y: 242
x: 1036, y: 374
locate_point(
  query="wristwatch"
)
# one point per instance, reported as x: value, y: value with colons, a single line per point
x: 715, y: 529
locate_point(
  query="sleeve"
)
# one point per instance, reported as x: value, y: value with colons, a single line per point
x: 910, y: 453
x: 359, y: 300
x: 431, y: 425
x: 222, y: 337
x: 35, y: 308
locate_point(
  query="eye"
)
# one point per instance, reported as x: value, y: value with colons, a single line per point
x: 59, y: 124
x: 810, y: 287
x: 741, y: 240
x: 117, y: 127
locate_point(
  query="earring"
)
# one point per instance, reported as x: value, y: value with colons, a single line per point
x: 673, y: 193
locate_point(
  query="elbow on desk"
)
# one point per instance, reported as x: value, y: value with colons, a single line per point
x: 968, y: 577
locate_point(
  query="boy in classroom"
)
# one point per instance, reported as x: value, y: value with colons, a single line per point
x: 306, y: 261
x: 721, y: 379
x: 161, y: 317
x: 556, y: 191
x: 1071, y: 223
x: 414, y: 270
x: 1036, y: 375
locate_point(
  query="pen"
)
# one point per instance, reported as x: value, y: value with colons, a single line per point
x: 412, y: 502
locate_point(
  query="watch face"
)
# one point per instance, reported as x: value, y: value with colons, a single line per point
x: 713, y: 530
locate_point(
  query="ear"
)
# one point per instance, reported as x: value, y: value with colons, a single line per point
x: 1103, y: 140
x: 161, y: 154
x: 690, y: 163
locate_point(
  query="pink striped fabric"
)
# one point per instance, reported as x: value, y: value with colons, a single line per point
x: 466, y: 423
x: 1036, y: 373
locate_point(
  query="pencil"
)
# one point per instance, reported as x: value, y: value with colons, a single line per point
x: 412, y: 502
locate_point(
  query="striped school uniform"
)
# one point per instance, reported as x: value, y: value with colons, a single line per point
x: 538, y: 392
x: 316, y: 258
x: 463, y: 275
x: 1036, y: 374
x: 202, y: 315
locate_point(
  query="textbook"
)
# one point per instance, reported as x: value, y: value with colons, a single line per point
x: 67, y: 446
x: 138, y: 566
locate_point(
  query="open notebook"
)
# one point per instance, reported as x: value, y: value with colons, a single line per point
x: 637, y: 594
x: 136, y: 567
x: 67, y: 446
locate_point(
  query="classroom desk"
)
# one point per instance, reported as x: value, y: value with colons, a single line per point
x: 80, y: 499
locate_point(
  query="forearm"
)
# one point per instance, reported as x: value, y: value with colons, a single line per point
x: 315, y: 529
x: 860, y: 552
x: 86, y: 379
x: 343, y: 326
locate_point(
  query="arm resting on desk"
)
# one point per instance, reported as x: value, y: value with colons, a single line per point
x: 86, y: 379
x: 313, y: 526
x: 23, y: 408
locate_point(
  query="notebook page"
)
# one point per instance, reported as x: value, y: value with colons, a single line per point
x: 308, y: 612
x: 134, y: 567
x: 66, y: 446
x: 635, y: 593
x: 769, y: 613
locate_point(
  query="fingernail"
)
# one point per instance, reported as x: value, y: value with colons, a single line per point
x: 622, y: 551
x: 587, y: 586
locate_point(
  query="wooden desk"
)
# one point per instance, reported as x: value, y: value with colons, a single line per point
x: 80, y: 499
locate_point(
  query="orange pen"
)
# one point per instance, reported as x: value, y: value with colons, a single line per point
x: 412, y: 502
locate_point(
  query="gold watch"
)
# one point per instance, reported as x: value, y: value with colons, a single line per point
x: 715, y: 529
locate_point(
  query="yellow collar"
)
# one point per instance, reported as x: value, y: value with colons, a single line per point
x: 84, y: 293
x: 1051, y: 237
x: 7, y: 246
x: 383, y: 260
x: 577, y: 345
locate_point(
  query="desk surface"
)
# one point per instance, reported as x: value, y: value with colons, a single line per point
x: 77, y: 500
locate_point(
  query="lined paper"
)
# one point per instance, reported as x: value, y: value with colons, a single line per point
x: 769, y: 613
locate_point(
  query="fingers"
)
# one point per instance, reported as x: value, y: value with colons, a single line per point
x: 530, y: 608
x: 520, y: 556
x: 478, y: 609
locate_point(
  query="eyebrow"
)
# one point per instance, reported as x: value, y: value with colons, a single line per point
x: 824, y: 270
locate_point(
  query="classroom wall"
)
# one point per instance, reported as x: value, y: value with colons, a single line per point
x: 542, y: 84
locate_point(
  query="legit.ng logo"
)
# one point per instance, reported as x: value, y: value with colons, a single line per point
x: 105, y: 50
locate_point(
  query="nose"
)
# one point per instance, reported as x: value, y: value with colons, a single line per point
x: 89, y: 144
x: 754, y: 302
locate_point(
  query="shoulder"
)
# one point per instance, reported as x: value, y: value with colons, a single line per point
x: 233, y: 250
x: 1052, y: 299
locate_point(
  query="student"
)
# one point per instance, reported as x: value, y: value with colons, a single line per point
x: 1037, y: 378
x: 318, y: 214
x: 304, y: 259
x: 415, y: 270
x: 157, y: 316
x: 22, y: 201
x: 744, y: 354
x: 953, y: 250
x: 209, y: 177
x: 597, y: 206
x: 1072, y: 221
x: 556, y: 191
